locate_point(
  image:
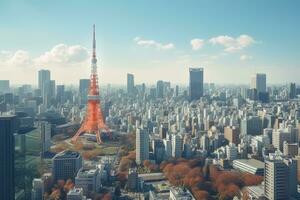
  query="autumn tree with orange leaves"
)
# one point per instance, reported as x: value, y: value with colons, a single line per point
x: 205, y: 180
x: 59, y: 190
x: 127, y: 162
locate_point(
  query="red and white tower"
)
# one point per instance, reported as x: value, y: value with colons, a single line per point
x: 93, y: 122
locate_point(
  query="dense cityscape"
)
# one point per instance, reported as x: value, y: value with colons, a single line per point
x: 193, y: 100
x: 203, y: 141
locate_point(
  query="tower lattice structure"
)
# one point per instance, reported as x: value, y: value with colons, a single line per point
x: 93, y: 122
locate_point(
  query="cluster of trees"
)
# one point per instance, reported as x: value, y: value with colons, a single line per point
x: 189, y: 174
x: 127, y: 142
x: 60, y: 147
x: 204, y: 181
x: 150, y: 166
x: 126, y: 162
x: 91, y: 154
x: 80, y: 146
x: 59, y: 190
x: 229, y: 183
x: 106, y: 196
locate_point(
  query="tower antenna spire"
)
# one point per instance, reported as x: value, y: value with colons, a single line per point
x: 94, y: 41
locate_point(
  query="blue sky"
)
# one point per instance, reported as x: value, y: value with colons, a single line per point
x: 151, y: 39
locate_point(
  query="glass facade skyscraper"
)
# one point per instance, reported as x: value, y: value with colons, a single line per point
x: 196, y: 83
x: 7, y: 165
x: 259, y: 82
x: 130, y: 84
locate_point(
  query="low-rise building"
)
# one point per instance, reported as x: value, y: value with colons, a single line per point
x: 177, y: 193
x: 251, y: 166
x: 88, y: 179
x: 76, y: 194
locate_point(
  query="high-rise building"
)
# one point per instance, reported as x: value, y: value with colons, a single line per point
x: 45, y: 128
x: 132, y: 182
x: 290, y: 149
x: 292, y: 90
x: 65, y: 165
x: 39, y: 185
x: 258, y: 82
x: 279, y: 136
x: 163, y: 129
x: 130, y: 84
x: 158, y: 150
x: 4, y: 86
x: 251, y: 126
x: 152, y: 93
x: 142, y: 146
x: 44, y: 75
x: 232, y: 134
x: 7, y: 166
x: 84, y: 85
x: 176, y: 91
x: 204, y: 142
x: 52, y: 87
x: 297, y: 159
x: 38, y: 189
x: 280, y: 178
x: 196, y: 83
x: 160, y: 89
x: 231, y: 151
x: 168, y: 148
x: 60, y: 93
x: 177, y: 146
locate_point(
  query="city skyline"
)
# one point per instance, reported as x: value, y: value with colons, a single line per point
x: 112, y: 100
x: 151, y: 44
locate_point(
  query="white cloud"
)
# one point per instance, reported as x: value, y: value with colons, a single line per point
x: 20, y: 67
x: 197, y: 43
x: 153, y: 43
x: 232, y: 44
x: 59, y: 55
x: 64, y: 54
x: 245, y: 57
x: 19, y: 58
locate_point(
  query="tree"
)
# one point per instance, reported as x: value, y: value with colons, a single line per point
x: 69, y: 185
x: 200, y: 194
x: 78, y: 145
x: 146, y: 163
x: 250, y: 179
x: 107, y: 196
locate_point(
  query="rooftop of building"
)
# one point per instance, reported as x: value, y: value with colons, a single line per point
x: 7, y: 116
x: 87, y: 173
x: 159, y: 195
x: 257, y: 190
x: 196, y: 69
x: 181, y: 192
x: 252, y: 162
x: 67, y: 155
x: 152, y: 176
x: 75, y: 191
